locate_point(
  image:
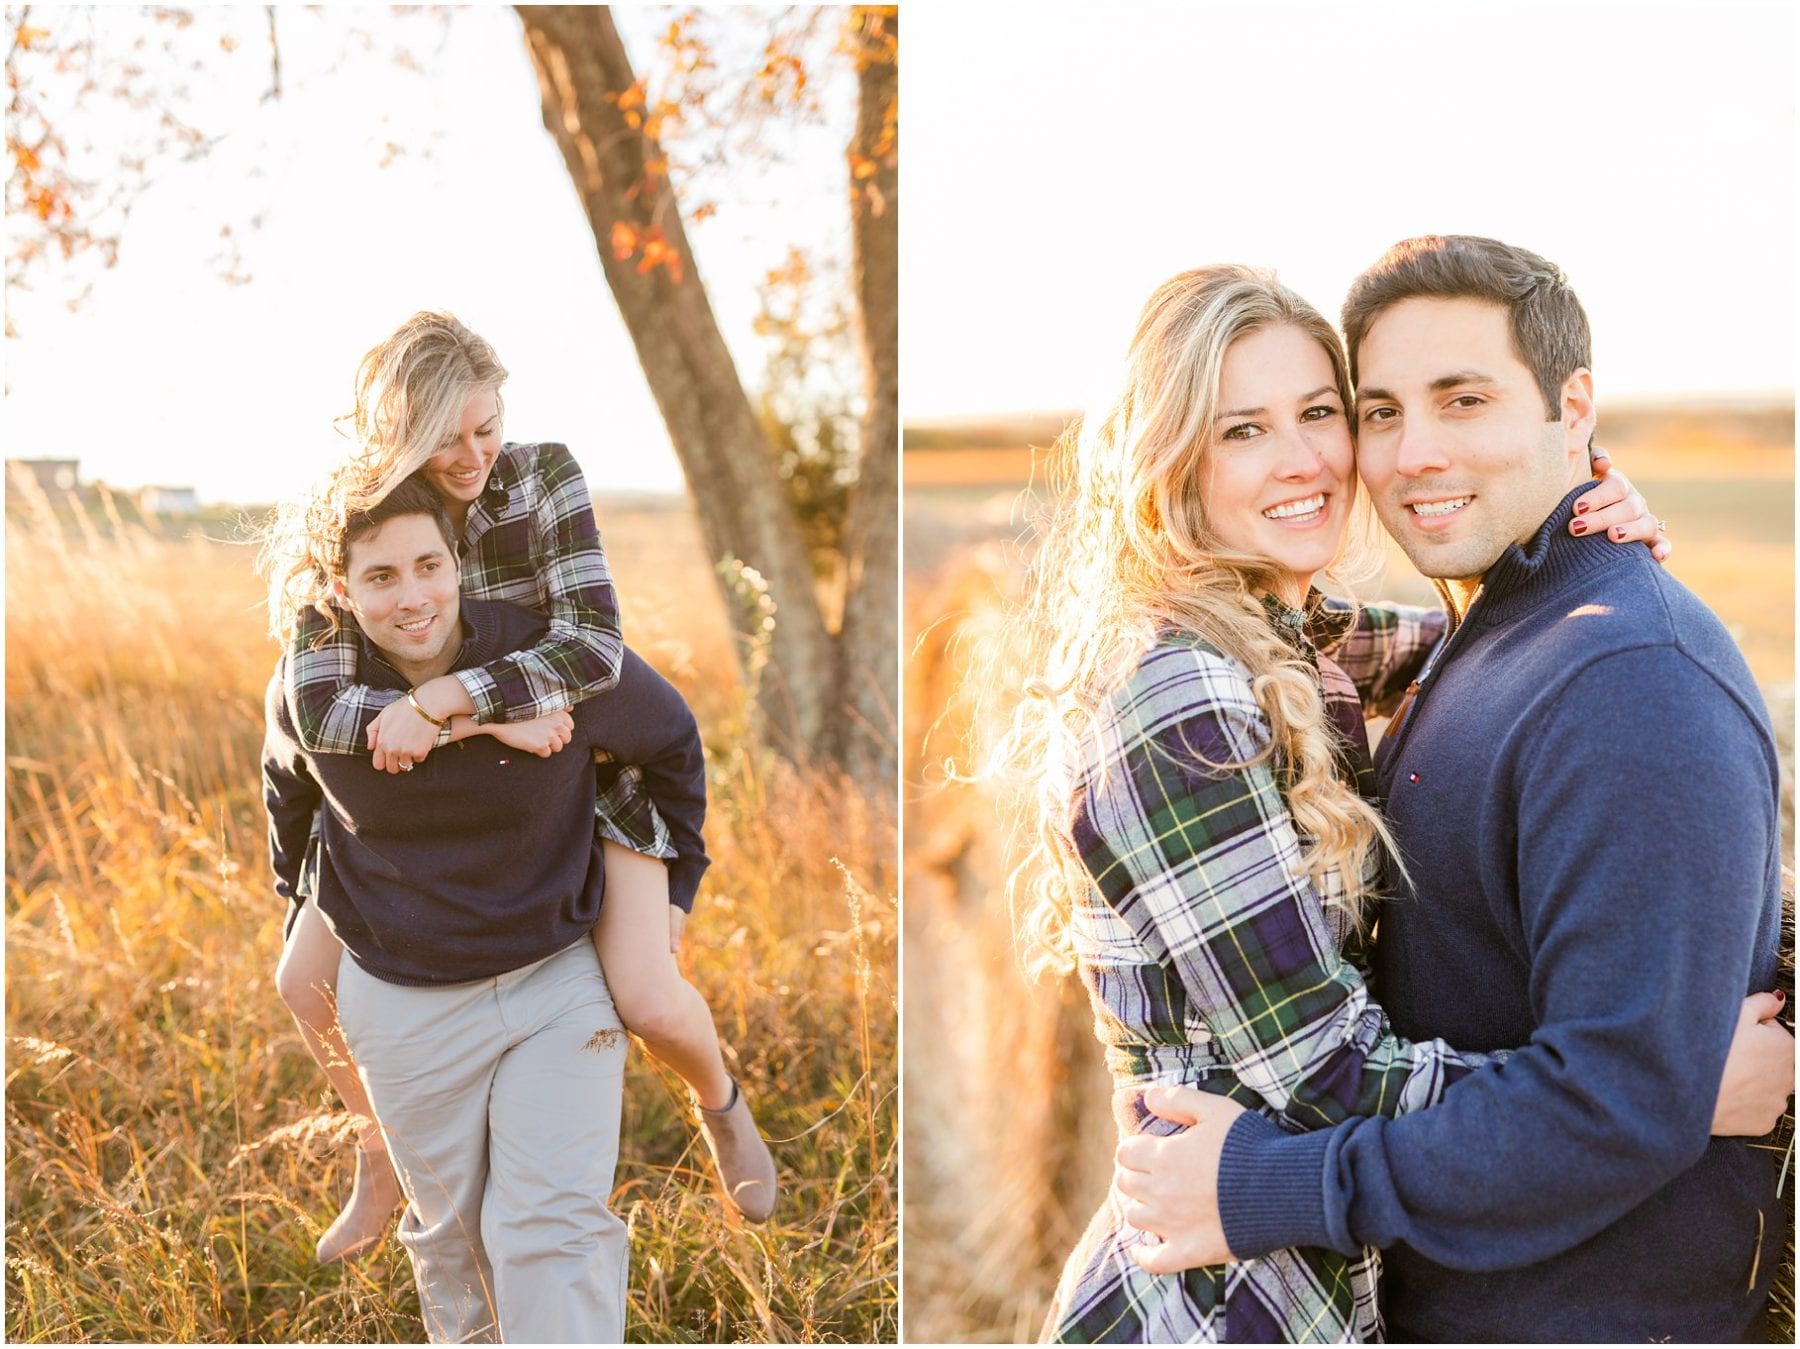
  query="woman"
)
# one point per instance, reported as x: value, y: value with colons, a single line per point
x: 1202, y: 842
x: 428, y: 401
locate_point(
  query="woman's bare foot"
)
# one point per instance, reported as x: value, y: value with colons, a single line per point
x: 374, y: 1196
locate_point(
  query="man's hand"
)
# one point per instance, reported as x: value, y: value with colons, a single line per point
x: 542, y: 736
x: 400, y: 737
x: 1759, y: 1073
x: 1173, y: 1182
x: 677, y: 923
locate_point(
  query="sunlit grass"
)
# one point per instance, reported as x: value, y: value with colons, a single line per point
x: 172, y: 1152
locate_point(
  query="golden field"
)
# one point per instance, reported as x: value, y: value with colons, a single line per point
x: 172, y: 1152
x: 1009, y: 1140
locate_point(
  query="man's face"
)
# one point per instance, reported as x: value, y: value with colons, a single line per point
x: 1453, y: 443
x: 401, y: 584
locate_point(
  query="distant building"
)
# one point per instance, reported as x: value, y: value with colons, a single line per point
x: 168, y: 501
x: 54, y: 477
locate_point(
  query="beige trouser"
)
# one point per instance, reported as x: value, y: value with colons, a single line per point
x: 500, y: 1103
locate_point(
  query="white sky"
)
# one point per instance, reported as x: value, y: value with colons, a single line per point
x: 1060, y: 162
x: 169, y: 375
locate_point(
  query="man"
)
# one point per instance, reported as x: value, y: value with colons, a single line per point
x: 1554, y: 903
x: 464, y: 893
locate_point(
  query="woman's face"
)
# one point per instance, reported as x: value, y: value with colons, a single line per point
x: 1281, y: 464
x: 459, y: 470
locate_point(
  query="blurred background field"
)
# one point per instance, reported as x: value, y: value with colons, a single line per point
x: 1004, y: 1166
x: 172, y: 1154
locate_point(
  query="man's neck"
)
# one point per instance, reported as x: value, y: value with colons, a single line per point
x: 416, y: 672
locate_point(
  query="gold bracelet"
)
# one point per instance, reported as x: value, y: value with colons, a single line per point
x: 443, y: 725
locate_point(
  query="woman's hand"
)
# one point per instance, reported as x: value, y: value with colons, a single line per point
x: 1614, y: 507
x: 400, y: 737
x: 677, y: 922
x: 1759, y: 1072
x: 542, y: 736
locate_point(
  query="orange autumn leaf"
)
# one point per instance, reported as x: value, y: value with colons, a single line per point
x: 26, y: 159
x: 624, y: 240
x: 26, y: 37
x: 861, y: 167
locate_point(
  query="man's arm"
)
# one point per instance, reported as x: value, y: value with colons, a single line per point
x: 646, y: 723
x: 290, y: 794
x: 1639, y: 930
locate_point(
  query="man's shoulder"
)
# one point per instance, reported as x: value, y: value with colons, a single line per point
x: 499, y: 627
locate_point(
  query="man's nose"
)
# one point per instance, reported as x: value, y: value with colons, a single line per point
x: 1421, y: 450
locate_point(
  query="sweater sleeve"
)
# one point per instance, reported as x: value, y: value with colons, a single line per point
x: 1385, y: 649
x: 1640, y: 912
x: 580, y: 655
x: 646, y: 723
x: 1194, y: 847
x: 291, y: 796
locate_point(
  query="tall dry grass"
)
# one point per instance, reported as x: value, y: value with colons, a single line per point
x: 172, y: 1152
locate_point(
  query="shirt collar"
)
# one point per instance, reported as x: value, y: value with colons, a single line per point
x: 1311, y: 626
x: 1528, y: 573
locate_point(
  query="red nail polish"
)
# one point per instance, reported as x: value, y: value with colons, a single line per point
x: 1579, y: 527
x: 1581, y: 508
x: 1780, y: 996
x: 1619, y: 534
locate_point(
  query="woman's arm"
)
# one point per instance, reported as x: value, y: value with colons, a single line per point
x: 581, y: 654
x: 1204, y: 864
x: 331, y: 712
x: 1385, y: 647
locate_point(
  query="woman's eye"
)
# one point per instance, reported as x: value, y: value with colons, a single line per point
x: 1318, y: 413
x: 1242, y: 431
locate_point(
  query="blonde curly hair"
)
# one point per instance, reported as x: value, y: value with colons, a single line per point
x: 411, y: 390
x: 1128, y: 548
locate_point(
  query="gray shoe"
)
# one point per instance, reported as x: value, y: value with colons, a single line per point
x: 746, y: 1169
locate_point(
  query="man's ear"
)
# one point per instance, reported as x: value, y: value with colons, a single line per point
x: 340, y: 596
x: 1578, y: 411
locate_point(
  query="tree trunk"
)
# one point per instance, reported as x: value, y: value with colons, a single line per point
x: 868, y: 675
x: 585, y: 77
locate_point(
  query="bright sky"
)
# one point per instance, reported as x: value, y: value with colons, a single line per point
x: 1062, y: 161
x: 169, y: 375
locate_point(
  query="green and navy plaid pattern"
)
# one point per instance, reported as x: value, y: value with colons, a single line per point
x: 530, y: 538
x: 1211, y: 960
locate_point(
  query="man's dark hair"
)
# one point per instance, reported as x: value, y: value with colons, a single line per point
x: 412, y: 496
x: 1549, y: 327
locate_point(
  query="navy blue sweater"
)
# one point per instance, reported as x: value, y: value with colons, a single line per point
x: 1586, y: 794
x: 483, y: 858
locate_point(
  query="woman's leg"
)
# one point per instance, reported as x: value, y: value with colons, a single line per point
x: 656, y: 1004
x: 307, y: 982
x: 668, y: 1014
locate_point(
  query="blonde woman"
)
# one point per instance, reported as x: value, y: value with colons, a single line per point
x: 428, y: 402
x: 1199, y: 837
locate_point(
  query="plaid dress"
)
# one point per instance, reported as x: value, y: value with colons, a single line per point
x: 530, y: 538
x: 1210, y: 960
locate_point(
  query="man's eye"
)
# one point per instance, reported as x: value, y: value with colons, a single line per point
x: 1467, y: 400
x: 1377, y: 415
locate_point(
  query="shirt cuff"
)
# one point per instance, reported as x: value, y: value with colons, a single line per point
x: 684, y: 881
x: 484, y: 693
x: 1272, y: 1188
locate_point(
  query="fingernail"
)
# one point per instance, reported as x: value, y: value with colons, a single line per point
x: 1579, y: 527
x: 1581, y: 508
x: 1780, y: 996
x: 1619, y: 534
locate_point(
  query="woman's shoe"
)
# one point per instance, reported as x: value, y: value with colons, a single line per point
x: 746, y: 1169
x: 374, y: 1196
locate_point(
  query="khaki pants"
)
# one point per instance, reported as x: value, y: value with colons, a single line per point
x: 500, y: 1103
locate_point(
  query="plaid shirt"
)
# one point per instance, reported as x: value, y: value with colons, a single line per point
x: 1211, y: 960
x: 530, y: 538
